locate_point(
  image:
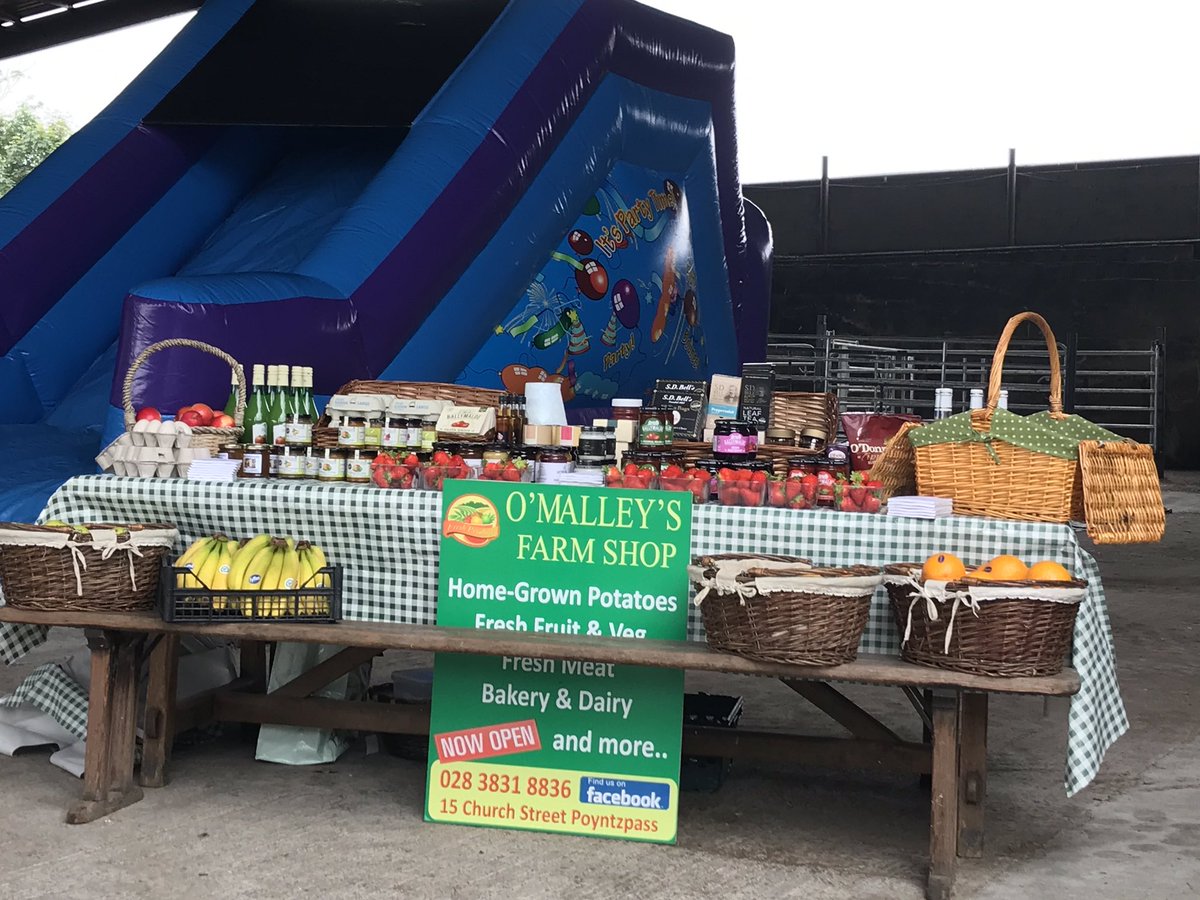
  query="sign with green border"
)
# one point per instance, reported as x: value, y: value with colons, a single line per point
x: 559, y: 745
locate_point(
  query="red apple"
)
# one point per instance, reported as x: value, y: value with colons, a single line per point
x: 182, y: 410
x: 222, y: 420
x: 148, y: 412
x: 190, y: 417
x: 204, y: 411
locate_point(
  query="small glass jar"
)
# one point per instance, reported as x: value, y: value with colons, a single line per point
x: 232, y: 451
x: 273, y: 463
x: 656, y: 427
x: 812, y: 439
x: 593, y: 443
x: 394, y: 435
x: 332, y: 465
x: 779, y: 436
x: 554, y: 461
x: 312, y: 463
x: 734, y: 440
x: 373, y: 429
x: 496, y: 453
x: 428, y: 433
x: 256, y: 461
x: 416, y: 432
x: 358, y: 465
x: 290, y: 462
x: 352, y: 430
x: 627, y: 410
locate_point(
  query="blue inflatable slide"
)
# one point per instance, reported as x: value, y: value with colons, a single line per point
x: 484, y: 191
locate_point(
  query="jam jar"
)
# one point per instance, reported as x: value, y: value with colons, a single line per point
x: 256, y: 461
x: 734, y: 440
x: 656, y: 428
x: 290, y: 462
x: 332, y: 465
x: 627, y: 410
x: 554, y: 461
x: 352, y: 428
x: 312, y: 462
x: 358, y: 465
x: 781, y: 437
x: 394, y: 435
x: 593, y: 444
x: 812, y: 438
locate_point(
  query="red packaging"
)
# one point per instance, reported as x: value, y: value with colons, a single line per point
x: 868, y: 433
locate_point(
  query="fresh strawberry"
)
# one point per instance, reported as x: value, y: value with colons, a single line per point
x: 848, y: 505
x: 731, y: 494
x: 873, y: 485
x: 493, y: 468
x: 697, y: 489
x: 857, y: 494
x: 752, y: 496
x: 727, y: 475
x: 381, y: 475
x: 758, y: 477
x: 672, y: 471
x: 798, y: 503
x: 777, y: 494
x: 412, y: 461
x: 742, y: 475
x: 456, y: 461
x: 613, y: 475
x: 808, y: 487
x: 871, y: 504
x: 440, y: 458
x: 793, y: 488
x: 631, y: 469
x: 699, y: 474
x: 512, y: 472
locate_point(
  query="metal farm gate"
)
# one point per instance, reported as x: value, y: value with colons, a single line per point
x: 1119, y: 388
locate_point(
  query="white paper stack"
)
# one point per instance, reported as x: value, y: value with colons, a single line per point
x: 921, y: 507
x: 584, y: 479
x: 213, y: 469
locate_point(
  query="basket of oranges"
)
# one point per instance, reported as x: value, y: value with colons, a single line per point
x: 1001, y: 618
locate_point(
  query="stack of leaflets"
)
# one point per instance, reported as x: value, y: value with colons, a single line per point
x: 921, y: 507
x: 214, y: 469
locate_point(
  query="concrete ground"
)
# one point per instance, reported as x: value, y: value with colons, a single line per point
x: 231, y: 827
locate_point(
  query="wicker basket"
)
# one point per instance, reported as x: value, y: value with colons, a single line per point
x: 999, y: 628
x: 111, y: 568
x: 1018, y: 484
x: 1121, y: 494
x: 459, y: 394
x: 798, y: 410
x: 781, y: 609
x: 896, y: 467
x: 202, y: 436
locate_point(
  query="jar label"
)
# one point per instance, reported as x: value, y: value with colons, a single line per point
x: 742, y: 444
x: 312, y: 466
x: 352, y: 435
x: 291, y: 465
x: 274, y: 469
x: 415, y: 437
x: 258, y: 433
x: 358, y: 468
x: 332, y: 468
x: 279, y: 434
x: 372, y: 434
x: 394, y: 437
x: 252, y: 463
x: 298, y: 433
x: 547, y: 472
x: 656, y: 433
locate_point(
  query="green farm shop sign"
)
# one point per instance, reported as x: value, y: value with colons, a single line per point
x: 553, y: 745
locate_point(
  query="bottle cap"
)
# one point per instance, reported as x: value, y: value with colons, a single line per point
x: 297, y: 376
x: 626, y: 404
x: 259, y: 373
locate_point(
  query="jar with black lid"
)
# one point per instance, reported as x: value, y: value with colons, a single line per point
x: 734, y: 440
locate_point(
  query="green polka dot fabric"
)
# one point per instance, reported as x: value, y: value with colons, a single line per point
x: 1039, y: 433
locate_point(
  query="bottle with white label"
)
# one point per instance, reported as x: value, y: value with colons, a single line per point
x: 257, y: 409
x: 280, y: 406
x: 299, y: 423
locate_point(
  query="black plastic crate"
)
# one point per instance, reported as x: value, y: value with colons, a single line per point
x: 706, y: 774
x: 313, y: 605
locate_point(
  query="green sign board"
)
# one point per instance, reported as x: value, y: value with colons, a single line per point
x: 559, y: 745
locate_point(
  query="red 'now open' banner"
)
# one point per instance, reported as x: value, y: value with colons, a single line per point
x: 488, y: 741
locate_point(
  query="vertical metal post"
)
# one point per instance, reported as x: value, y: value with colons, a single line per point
x: 1158, y: 365
x: 1012, y: 196
x: 1069, y: 372
x: 824, y: 204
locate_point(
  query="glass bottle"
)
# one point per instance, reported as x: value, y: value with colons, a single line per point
x: 298, y: 424
x: 257, y: 409
x: 231, y: 403
x: 280, y: 405
x: 310, y: 403
x: 942, y: 399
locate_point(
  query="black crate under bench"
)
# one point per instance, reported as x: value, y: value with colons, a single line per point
x: 953, y: 705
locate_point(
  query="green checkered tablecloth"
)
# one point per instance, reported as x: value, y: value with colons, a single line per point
x: 388, y: 543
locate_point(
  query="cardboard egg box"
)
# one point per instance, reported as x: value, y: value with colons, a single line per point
x: 152, y: 450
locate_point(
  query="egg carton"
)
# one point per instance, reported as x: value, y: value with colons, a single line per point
x: 152, y: 450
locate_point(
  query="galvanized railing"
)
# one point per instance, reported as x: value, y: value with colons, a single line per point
x: 1117, y: 387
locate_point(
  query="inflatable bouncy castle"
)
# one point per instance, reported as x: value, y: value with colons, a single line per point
x: 483, y: 192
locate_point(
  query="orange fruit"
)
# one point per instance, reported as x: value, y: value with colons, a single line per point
x: 1002, y: 568
x: 943, y: 567
x: 1047, y: 570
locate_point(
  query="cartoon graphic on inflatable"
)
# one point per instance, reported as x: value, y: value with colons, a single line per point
x: 641, y: 262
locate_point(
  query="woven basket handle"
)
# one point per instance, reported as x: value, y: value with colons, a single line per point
x: 127, y: 391
x: 997, y: 374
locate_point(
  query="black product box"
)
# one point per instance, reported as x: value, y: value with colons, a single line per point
x: 705, y: 774
x: 758, y: 384
x: 688, y: 400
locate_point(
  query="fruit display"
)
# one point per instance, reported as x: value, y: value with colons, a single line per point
x: 742, y: 487
x: 261, y: 577
x: 948, y: 567
x: 695, y: 481
x: 395, y: 470
x: 443, y: 466
x: 633, y: 476
x: 515, y: 470
x: 856, y: 494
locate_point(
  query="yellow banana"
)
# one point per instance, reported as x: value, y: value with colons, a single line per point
x: 256, y: 570
x: 220, y: 580
x: 270, y: 605
x: 307, y: 602
x: 289, y: 579
x: 191, y: 560
x: 190, y: 553
x: 207, y: 573
x: 318, y: 563
x: 242, y: 559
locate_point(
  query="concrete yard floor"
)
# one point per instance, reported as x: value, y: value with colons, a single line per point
x: 231, y: 827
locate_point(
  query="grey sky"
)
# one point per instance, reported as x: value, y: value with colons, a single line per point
x: 878, y: 86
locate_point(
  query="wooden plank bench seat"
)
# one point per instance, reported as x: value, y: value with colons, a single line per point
x: 952, y: 705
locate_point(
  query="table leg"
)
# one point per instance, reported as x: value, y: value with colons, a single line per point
x: 253, y: 664
x: 943, y: 817
x: 159, y: 728
x: 972, y: 773
x: 112, y: 724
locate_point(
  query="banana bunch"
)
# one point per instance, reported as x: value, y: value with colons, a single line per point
x: 259, y: 565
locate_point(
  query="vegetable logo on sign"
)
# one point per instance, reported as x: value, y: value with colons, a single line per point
x: 472, y: 520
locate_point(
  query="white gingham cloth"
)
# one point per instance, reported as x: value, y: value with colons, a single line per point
x: 388, y: 542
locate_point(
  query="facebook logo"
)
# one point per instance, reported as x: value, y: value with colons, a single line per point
x: 628, y: 794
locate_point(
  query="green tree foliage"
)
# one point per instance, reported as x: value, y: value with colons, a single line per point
x: 27, y: 136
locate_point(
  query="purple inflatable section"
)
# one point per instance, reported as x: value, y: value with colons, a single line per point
x: 358, y: 337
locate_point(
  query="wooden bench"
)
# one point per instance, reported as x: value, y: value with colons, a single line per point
x: 953, y: 706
